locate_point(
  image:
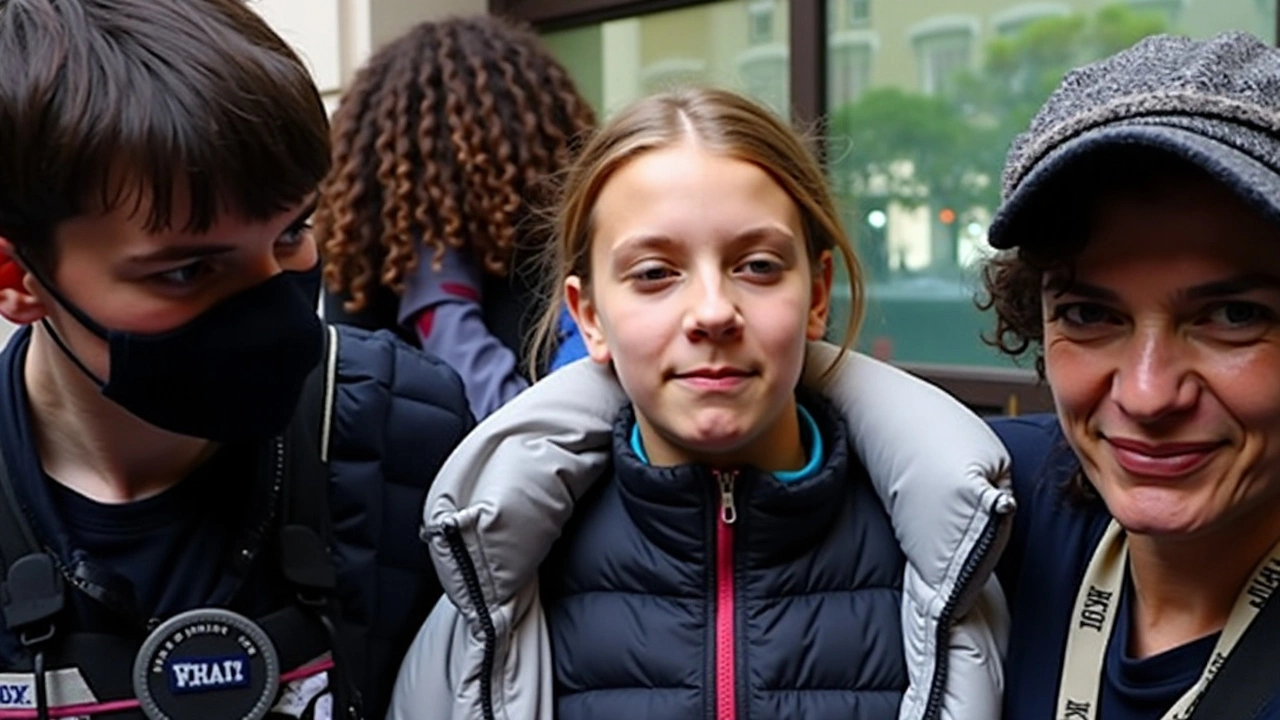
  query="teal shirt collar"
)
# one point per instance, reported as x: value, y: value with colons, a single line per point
x: 809, y: 435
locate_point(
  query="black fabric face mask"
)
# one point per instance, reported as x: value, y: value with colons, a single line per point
x: 233, y: 373
x: 310, y: 282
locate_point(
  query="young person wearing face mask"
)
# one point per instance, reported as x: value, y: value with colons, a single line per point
x: 207, y: 509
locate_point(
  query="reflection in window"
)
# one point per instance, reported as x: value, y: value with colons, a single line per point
x: 849, y: 67
x: 760, y: 22
x: 1171, y: 9
x: 741, y: 45
x: 766, y: 76
x: 916, y: 151
x: 942, y: 57
x: 1011, y: 21
x: 858, y: 13
x: 944, y: 48
x: 667, y: 73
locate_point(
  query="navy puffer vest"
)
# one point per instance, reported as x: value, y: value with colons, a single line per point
x: 398, y: 413
x: 657, y: 606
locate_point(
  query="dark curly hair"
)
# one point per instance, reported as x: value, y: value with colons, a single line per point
x: 1012, y: 283
x: 447, y: 137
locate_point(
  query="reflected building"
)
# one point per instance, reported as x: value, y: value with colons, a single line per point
x: 922, y: 99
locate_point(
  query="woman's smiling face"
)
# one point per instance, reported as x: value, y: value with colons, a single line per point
x: 1162, y: 346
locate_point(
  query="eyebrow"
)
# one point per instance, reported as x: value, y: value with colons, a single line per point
x: 637, y: 243
x: 1233, y: 286
x: 174, y: 253
x: 1217, y: 288
x: 764, y: 232
x: 1070, y: 286
x: 657, y: 240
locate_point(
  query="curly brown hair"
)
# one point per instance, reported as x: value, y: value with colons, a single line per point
x: 1011, y: 289
x: 448, y: 137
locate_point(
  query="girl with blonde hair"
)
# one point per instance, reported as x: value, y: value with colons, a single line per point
x: 729, y: 544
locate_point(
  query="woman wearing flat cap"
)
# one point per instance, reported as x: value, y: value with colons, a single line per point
x: 1140, y: 269
x: 1140, y: 266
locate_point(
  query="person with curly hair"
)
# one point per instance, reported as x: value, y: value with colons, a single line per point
x: 1139, y: 268
x: 445, y: 148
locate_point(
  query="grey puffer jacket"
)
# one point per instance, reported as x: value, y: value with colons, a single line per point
x: 490, y: 520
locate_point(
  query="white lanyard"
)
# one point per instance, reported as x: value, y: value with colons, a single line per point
x: 1094, y: 616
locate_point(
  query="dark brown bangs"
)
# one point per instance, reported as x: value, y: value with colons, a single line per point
x: 151, y: 103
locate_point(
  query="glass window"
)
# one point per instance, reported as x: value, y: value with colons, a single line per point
x: 760, y: 22
x: 944, y: 48
x: 849, y: 64
x: 1010, y: 21
x: 738, y: 44
x: 1171, y: 10
x: 923, y: 102
x: 858, y: 13
x: 942, y: 57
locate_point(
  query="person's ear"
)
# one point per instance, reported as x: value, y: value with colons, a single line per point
x: 584, y: 313
x: 18, y: 304
x: 820, y: 297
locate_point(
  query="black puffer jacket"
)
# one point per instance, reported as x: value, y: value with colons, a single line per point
x: 659, y: 608
x: 397, y: 416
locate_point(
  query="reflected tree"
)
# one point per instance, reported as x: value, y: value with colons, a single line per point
x: 898, y: 147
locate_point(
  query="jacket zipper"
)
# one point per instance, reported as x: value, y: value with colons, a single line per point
x: 726, y: 656
x: 942, y: 643
x: 471, y: 580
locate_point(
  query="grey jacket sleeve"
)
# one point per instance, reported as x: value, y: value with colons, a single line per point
x: 441, y: 675
x: 424, y: 686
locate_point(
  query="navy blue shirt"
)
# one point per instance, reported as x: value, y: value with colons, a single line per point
x: 1041, y: 572
x: 167, y: 548
x: 152, y: 558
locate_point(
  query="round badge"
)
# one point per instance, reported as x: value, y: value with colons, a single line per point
x: 208, y: 663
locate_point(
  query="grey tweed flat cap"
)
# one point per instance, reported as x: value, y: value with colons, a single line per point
x: 1214, y: 103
